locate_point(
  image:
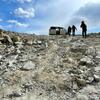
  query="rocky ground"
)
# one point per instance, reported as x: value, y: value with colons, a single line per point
x: 49, y: 67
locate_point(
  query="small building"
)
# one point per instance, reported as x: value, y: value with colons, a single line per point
x: 54, y: 30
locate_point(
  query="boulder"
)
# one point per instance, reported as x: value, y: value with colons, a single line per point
x: 1, y: 56
x: 89, y: 89
x: 82, y: 97
x: 39, y: 42
x: 29, y: 42
x: 7, y: 39
x: 80, y: 82
x: 90, y: 80
x: 96, y: 78
x: 86, y: 61
x: 19, y: 43
x: 28, y: 66
x: 15, y: 94
x: 1, y: 33
x: 16, y: 39
x: 97, y: 58
x: 91, y: 51
x: 78, y: 47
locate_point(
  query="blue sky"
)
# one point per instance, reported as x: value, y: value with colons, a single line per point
x: 36, y: 16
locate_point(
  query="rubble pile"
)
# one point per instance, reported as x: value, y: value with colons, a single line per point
x: 49, y: 67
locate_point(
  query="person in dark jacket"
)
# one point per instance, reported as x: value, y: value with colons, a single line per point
x: 84, y: 29
x: 69, y: 30
x: 73, y: 30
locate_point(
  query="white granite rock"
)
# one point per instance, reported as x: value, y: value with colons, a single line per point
x: 29, y: 66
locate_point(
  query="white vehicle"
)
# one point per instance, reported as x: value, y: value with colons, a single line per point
x: 54, y: 30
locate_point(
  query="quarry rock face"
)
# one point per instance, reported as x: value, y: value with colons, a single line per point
x: 49, y: 67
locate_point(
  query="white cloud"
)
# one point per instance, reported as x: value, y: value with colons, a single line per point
x: 90, y: 1
x: 1, y: 20
x: 23, y: 1
x: 1, y: 27
x: 17, y: 23
x: 25, y: 13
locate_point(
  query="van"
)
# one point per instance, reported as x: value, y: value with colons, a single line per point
x: 54, y: 30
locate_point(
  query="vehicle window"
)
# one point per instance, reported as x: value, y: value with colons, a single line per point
x: 53, y: 28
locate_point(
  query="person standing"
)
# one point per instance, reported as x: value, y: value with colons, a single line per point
x: 69, y: 30
x: 73, y: 30
x: 84, y: 29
